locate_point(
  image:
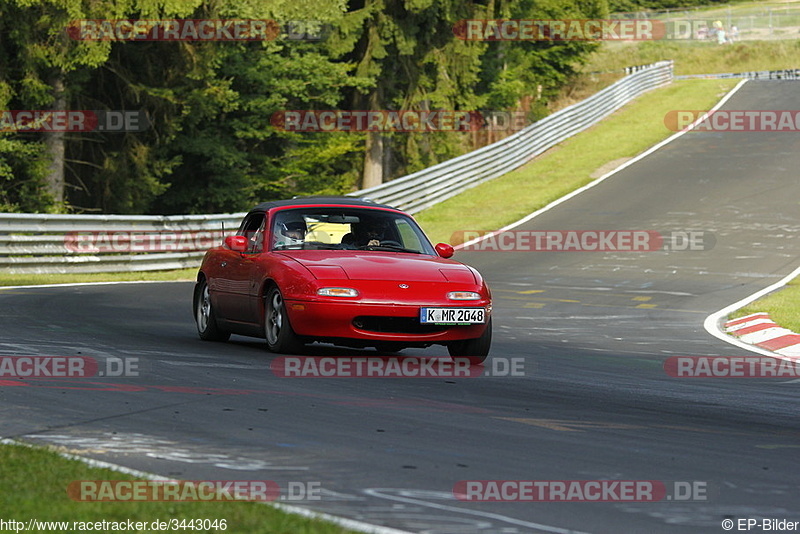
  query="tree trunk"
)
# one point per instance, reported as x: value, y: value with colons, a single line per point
x: 54, y: 142
x: 373, y: 151
x: 373, y: 161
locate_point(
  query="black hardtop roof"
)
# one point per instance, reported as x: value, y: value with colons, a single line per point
x: 311, y: 201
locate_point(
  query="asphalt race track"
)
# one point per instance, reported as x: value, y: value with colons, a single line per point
x: 593, y: 328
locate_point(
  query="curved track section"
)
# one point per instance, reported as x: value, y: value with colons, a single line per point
x: 593, y: 329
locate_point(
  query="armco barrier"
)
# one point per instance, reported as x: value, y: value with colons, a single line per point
x: 425, y: 188
x: 43, y: 243
x: 780, y: 74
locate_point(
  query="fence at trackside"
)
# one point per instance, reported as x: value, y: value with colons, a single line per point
x: 781, y: 74
x: 44, y: 243
x: 425, y: 188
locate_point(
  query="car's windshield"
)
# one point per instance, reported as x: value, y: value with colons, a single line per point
x: 347, y: 229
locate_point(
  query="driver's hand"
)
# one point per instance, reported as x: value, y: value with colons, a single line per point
x: 374, y: 243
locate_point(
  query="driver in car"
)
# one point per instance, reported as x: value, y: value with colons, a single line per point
x: 290, y: 232
x: 366, y: 234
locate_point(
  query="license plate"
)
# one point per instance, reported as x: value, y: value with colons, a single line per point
x: 452, y: 315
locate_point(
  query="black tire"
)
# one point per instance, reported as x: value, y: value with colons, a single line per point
x: 476, y: 350
x: 277, y: 330
x: 204, y: 315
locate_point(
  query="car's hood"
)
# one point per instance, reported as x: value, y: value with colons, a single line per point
x: 376, y: 265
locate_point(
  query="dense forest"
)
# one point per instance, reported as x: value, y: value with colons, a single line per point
x: 211, y: 144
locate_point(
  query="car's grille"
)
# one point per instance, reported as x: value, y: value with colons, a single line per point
x: 395, y: 325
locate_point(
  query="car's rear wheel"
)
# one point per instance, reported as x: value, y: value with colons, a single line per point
x: 280, y: 336
x: 204, y: 315
x: 476, y: 350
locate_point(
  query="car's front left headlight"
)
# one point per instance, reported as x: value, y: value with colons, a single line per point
x: 463, y: 295
x: 337, y: 292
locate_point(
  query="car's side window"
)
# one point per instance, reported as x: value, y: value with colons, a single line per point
x: 289, y: 230
x: 409, y: 238
x: 253, y: 229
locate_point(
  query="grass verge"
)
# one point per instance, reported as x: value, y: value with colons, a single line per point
x: 605, y: 66
x: 697, y: 57
x: 34, y: 485
x: 781, y: 305
x: 37, y: 279
x: 572, y: 164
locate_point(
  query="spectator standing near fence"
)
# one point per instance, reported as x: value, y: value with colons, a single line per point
x: 720, y: 32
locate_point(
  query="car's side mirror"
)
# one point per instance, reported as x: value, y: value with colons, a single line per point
x: 237, y: 243
x: 444, y: 250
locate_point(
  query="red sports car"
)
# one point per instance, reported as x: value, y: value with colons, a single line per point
x: 343, y: 271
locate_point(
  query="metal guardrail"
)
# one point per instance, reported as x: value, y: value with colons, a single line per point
x: 425, y: 188
x: 781, y: 74
x: 44, y: 243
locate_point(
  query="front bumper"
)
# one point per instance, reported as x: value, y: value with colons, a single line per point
x: 377, y: 322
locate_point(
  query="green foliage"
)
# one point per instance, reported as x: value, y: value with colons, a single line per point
x: 211, y: 146
x: 513, y: 70
x: 19, y: 157
x: 618, y: 6
x: 233, y: 157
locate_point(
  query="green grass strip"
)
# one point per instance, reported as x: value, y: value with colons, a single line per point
x: 7, y: 279
x: 698, y: 57
x: 783, y: 306
x: 34, y: 486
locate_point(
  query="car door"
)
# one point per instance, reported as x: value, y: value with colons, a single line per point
x: 236, y: 282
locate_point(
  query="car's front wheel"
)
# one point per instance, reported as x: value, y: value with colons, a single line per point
x: 204, y: 315
x: 476, y: 350
x: 280, y: 336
